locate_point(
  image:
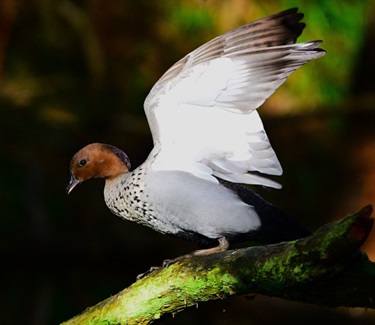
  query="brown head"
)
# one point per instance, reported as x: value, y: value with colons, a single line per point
x: 97, y: 160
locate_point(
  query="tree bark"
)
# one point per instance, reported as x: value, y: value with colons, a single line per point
x: 326, y: 268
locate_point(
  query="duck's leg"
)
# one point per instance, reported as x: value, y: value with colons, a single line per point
x: 152, y: 269
x: 223, y: 246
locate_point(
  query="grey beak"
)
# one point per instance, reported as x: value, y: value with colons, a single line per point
x: 72, y: 184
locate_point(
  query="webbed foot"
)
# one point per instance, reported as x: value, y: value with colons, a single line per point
x: 152, y: 269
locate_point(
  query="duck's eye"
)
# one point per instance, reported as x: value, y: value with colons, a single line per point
x: 82, y: 162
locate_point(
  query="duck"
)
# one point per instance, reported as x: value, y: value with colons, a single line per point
x: 209, y: 142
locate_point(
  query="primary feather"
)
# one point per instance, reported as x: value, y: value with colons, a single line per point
x: 208, y: 137
x: 202, y: 111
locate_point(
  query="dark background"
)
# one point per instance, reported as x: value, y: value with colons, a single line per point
x: 76, y: 72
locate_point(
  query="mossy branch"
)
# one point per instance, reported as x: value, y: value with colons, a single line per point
x: 326, y: 269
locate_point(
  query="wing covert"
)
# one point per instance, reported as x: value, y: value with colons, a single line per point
x: 202, y: 111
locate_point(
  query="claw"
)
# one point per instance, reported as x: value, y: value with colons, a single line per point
x: 152, y: 269
x: 223, y: 246
x: 168, y: 262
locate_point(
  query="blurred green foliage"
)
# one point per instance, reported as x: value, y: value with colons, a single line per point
x: 115, y: 49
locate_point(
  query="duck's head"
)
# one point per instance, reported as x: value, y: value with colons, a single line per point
x: 97, y: 160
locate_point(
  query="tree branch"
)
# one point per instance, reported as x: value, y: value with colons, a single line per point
x: 325, y: 269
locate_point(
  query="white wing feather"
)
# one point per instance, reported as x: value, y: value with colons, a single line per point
x: 202, y: 112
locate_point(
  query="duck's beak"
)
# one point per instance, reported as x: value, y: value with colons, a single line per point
x: 72, y: 184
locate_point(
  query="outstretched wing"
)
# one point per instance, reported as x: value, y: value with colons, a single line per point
x: 202, y: 111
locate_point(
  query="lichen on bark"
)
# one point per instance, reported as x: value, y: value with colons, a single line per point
x: 304, y: 270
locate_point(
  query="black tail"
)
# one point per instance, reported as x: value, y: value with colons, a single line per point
x: 277, y: 225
